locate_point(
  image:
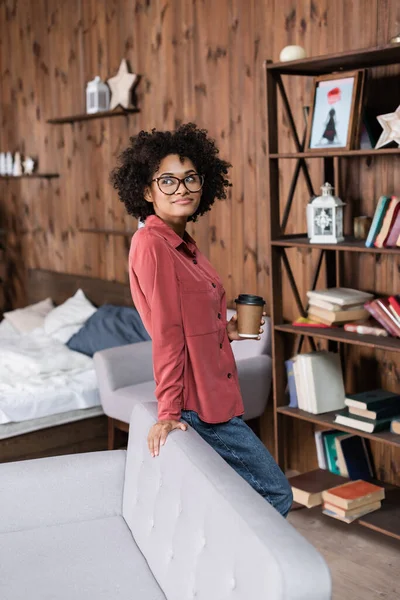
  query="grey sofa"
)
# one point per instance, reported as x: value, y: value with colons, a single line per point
x: 119, y: 525
x: 125, y: 377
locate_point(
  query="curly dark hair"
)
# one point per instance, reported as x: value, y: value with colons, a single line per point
x: 141, y: 159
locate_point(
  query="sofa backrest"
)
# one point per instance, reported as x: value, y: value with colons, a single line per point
x: 205, y: 533
x: 249, y: 348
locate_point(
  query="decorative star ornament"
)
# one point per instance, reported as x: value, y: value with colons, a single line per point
x: 121, y: 86
x: 29, y: 165
x: 391, y: 128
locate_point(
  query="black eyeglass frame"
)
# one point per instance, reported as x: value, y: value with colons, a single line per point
x: 157, y: 179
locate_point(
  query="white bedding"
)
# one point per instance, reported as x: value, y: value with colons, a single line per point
x: 40, y: 376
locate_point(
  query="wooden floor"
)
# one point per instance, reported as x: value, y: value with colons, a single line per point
x: 365, y: 565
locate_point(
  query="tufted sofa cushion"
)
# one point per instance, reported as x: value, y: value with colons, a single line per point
x: 205, y: 533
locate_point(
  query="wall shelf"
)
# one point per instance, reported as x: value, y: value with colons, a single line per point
x: 107, y: 231
x: 33, y: 176
x: 349, y: 245
x: 339, y: 152
x: 122, y: 112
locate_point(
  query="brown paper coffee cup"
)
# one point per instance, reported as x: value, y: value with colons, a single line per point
x: 249, y: 313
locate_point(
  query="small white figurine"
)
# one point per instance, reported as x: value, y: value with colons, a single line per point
x: 292, y: 53
x: 9, y: 164
x: 29, y: 165
x: 17, y: 168
x: 3, y: 170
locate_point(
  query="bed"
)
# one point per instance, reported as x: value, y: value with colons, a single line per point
x: 79, y: 424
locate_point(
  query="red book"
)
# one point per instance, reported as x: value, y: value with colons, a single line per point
x: 394, y: 232
x: 377, y: 312
x: 394, y: 301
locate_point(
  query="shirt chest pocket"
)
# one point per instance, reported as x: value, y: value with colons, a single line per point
x: 200, y: 305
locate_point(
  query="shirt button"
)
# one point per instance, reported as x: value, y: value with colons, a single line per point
x: 219, y: 315
x: 229, y: 375
x: 213, y: 284
x: 220, y: 345
x: 194, y: 261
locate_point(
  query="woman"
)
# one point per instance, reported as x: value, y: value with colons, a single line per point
x: 167, y: 179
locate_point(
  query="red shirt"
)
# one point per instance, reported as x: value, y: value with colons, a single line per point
x: 182, y: 303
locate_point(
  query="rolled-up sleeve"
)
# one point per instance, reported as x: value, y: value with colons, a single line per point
x: 156, y: 294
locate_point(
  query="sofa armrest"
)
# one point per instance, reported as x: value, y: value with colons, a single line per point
x: 124, y: 365
x: 61, y: 489
x: 255, y: 375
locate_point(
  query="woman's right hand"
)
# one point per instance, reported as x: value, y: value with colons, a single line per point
x: 158, y: 434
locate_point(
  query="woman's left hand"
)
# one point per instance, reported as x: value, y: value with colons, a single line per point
x: 232, y: 329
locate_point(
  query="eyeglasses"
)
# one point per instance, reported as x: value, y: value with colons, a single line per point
x: 169, y: 185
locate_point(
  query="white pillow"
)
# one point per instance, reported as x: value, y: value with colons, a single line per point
x: 29, y: 318
x: 68, y: 318
x: 7, y: 330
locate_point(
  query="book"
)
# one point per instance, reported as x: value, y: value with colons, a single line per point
x: 352, y: 494
x: 319, y: 444
x: 367, y: 328
x: 394, y: 232
x: 394, y: 302
x: 372, y: 399
x: 377, y: 220
x: 395, y: 426
x: 354, y: 458
x: 293, y: 403
x: 391, y: 410
x: 388, y: 220
x: 353, y: 512
x: 369, y: 426
x: 340, y: 316
x: 329, y: 439
x: 319, y: 381
x: 361, y: 512
x: 341, y: 296
x: 383, y: 303
x: 308, y: 487
x: 376, y: 311
x: 306, y: 322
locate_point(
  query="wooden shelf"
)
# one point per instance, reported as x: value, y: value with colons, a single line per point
x: 344, y: 61
x: 88, y: 117
x: 387, y: 519
x: 333, y: 152
x: 349, y: 245
x: 390, y: 344
x: 328, y: 420
x: 108, y: 232
x: 33, y: 176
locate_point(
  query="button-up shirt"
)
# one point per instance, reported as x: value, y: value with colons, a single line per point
x: 182, y: 303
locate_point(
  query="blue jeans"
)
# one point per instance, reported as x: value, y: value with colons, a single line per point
x: 247, y: 455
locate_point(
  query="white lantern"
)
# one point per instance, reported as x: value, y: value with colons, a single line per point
x: 325, y: 218
x: 97, y: 96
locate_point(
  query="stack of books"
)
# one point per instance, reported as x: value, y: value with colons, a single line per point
x: 307, y: 488
x: 335, y: 306
x: 315, y: 382
x: 344, y: 454
x: 352, y: 500
x: 387, y: 312
x: 370, y: 411
x: 385, y: 227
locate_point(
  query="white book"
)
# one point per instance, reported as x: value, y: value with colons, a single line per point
x: 341, y: 296
x: 333, y: 307
x: 319, y: 444
x: 299, y: 386
x: 324, y: 381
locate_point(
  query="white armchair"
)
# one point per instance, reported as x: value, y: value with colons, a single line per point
x: 125, y: 378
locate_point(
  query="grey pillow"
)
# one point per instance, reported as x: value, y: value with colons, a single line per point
x: 110, y: 326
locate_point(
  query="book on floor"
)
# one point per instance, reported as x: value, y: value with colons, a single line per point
x: 353, y: 494
x: 372, y: 399
x: 368, y: 425
x: 354, y: 457
x: 332, y: 511
x: 308, y: 487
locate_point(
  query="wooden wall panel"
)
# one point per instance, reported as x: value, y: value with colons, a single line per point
x: 201, y: 61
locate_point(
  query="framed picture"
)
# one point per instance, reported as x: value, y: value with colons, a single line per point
x: 335, y: 111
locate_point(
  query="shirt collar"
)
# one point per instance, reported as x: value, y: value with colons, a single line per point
x: 155, y: 222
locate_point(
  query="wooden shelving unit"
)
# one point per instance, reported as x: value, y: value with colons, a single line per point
x: 122, y: 112
x: 33, y: 176
x: 107, y: 231
x: 387, y: 519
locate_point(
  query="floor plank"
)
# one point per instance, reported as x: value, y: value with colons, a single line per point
x: 365, y: 565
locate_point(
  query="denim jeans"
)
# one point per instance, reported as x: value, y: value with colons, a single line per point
x: 247, y: 455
